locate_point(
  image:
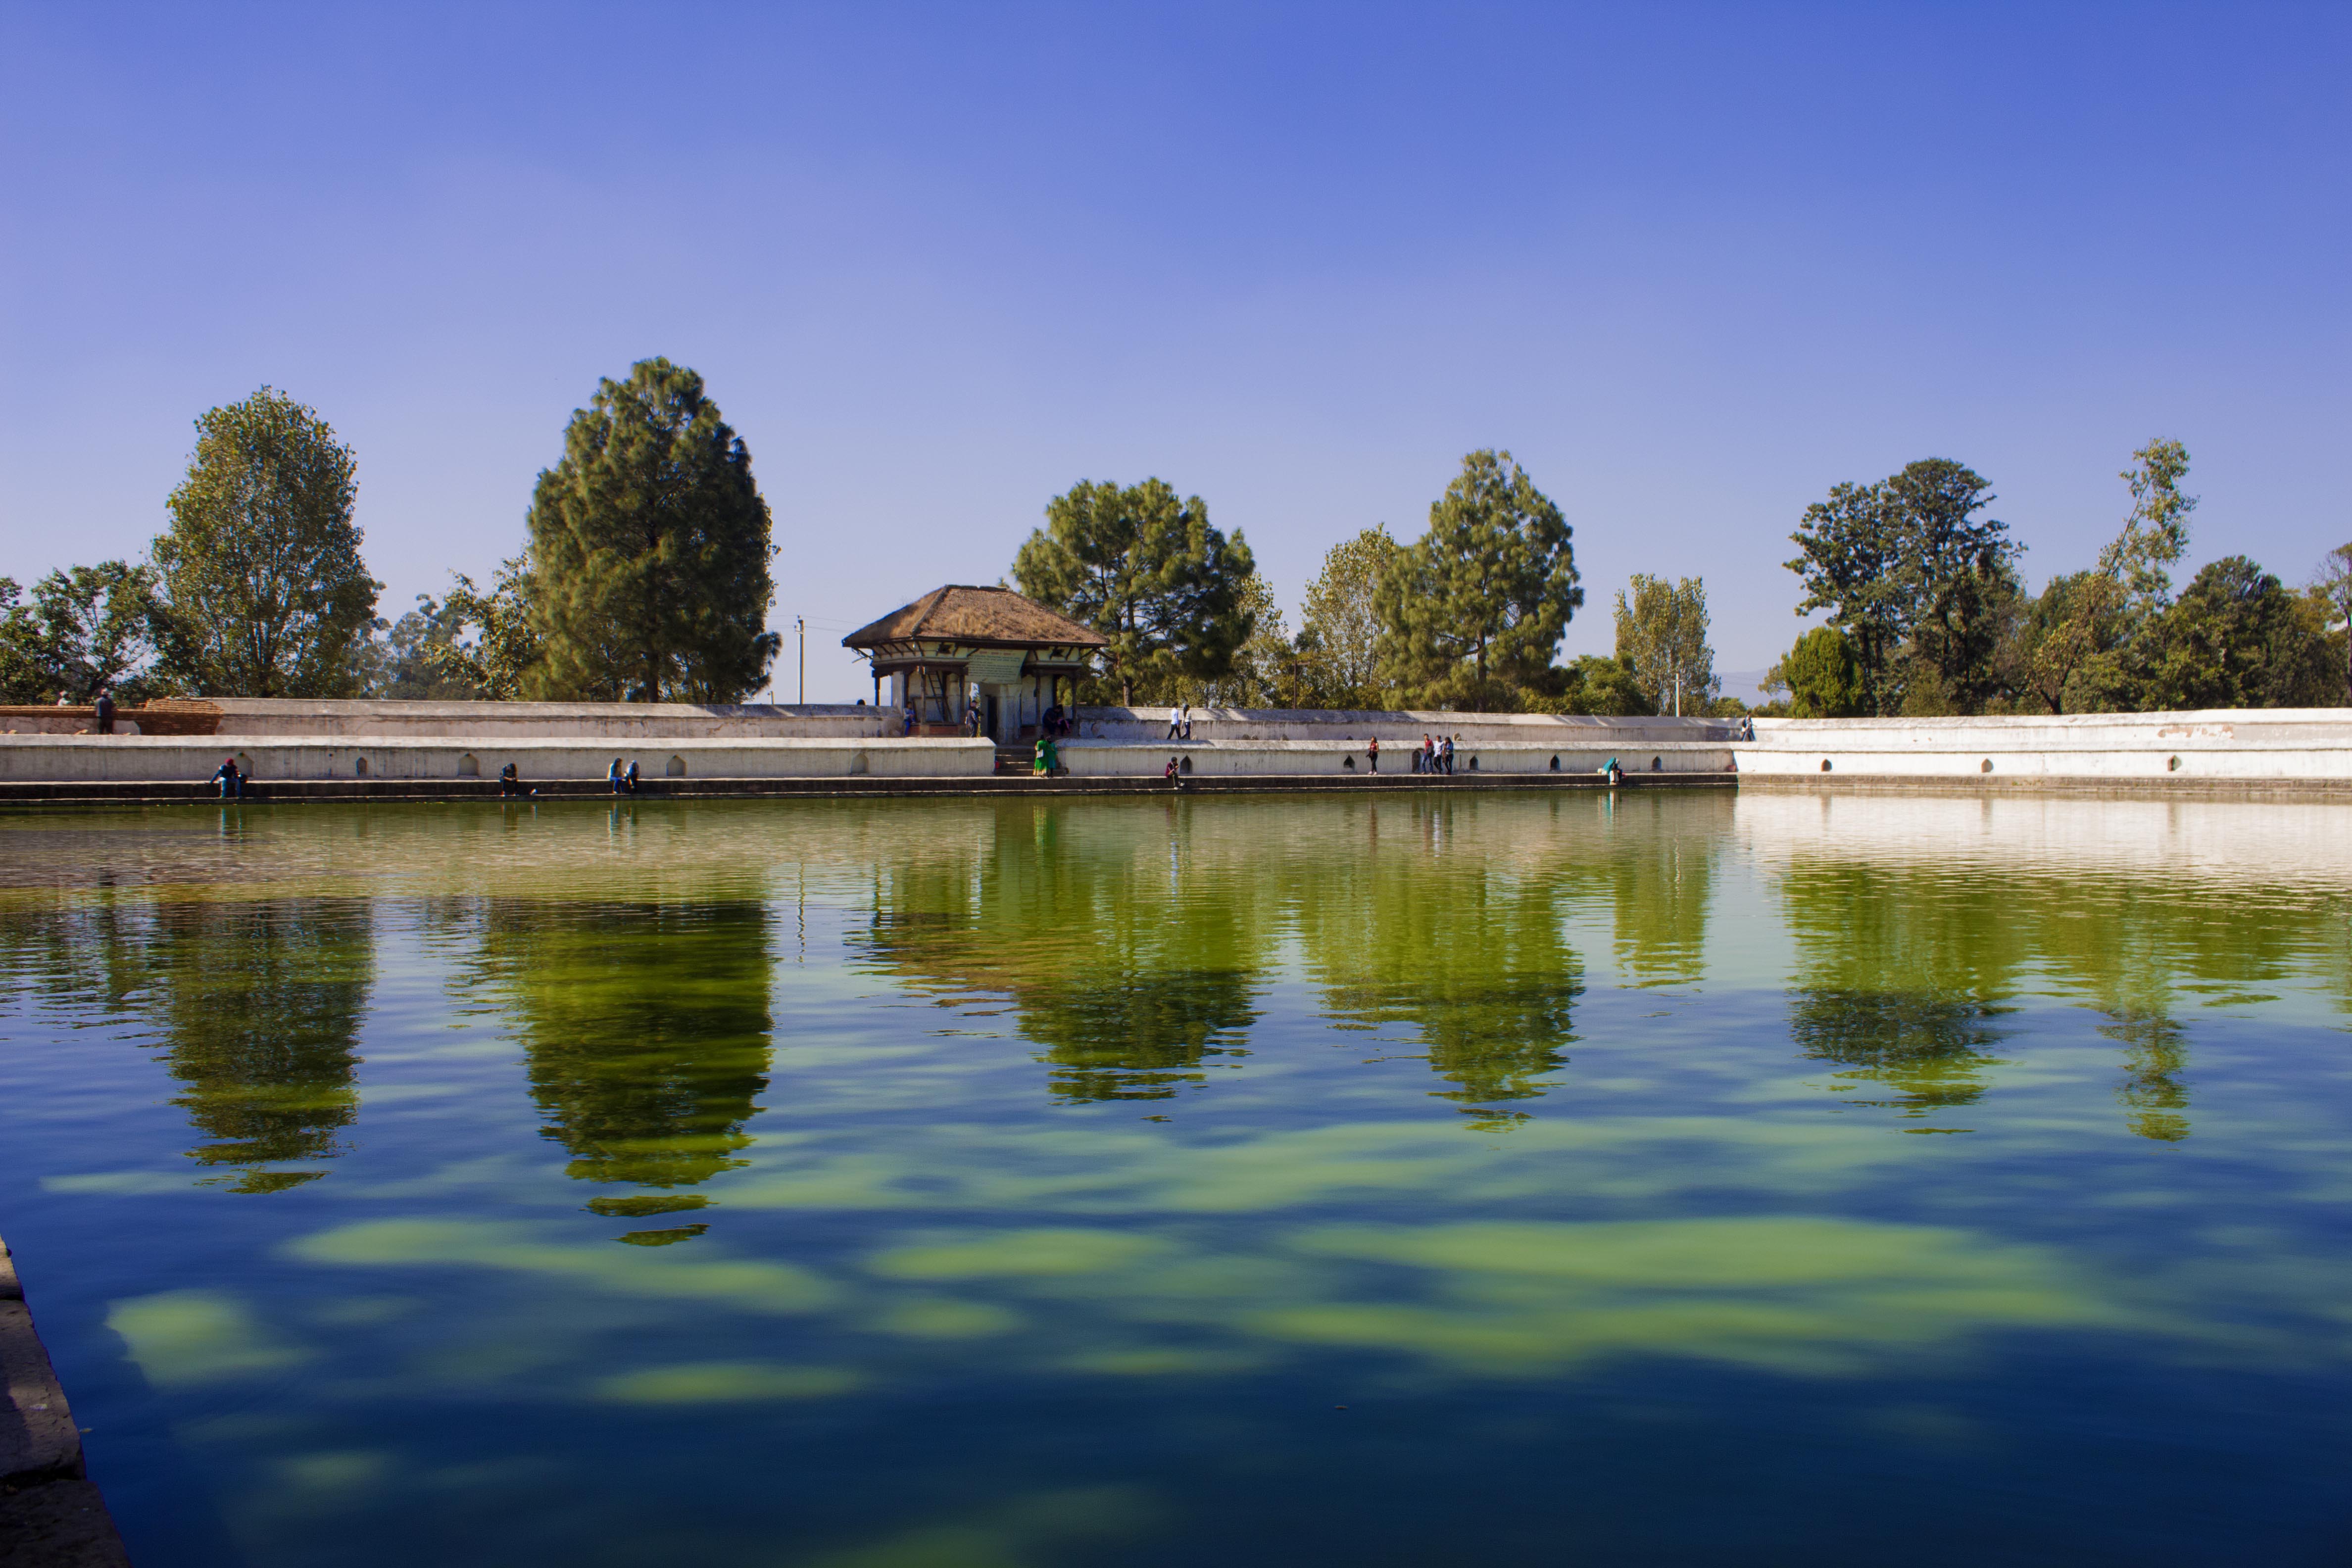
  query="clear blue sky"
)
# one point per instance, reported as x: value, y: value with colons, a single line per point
x: 1692, y: 264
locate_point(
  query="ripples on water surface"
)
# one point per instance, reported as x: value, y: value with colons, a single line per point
x: 961, y: 1184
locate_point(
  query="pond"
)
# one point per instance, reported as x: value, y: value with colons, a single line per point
x: 1670, y: 1177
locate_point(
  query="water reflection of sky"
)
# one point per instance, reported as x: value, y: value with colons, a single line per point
x: 988, y: 1182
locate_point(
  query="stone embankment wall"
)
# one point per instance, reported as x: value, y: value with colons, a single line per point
x: 2216, y: 748
x: 259, y: 717
x: 51, y: 1514
x: 1397, y: 728
x: 148, y: 759
x: 430, y: 741
x: 1577, y: 754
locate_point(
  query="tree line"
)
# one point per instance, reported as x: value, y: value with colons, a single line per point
x: 1470, y: 615
x: 644, y: 574
x: 1928, y: 615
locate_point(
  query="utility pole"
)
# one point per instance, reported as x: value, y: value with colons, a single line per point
x: 799, y: 622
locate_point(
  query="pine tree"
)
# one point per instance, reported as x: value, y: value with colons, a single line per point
x: 1472, y: 612
x: 649, y: 549
x: 1148, y: 573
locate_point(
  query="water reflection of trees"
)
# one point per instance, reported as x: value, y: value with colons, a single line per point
x: 262, y: 1002
x: 2131, y: 950
x: 1132, y: 944
x: 1128, y: 957
x: 1657, y: 866
x: 2156, y: 1053
x: 645, y: 1027
x: 84, y: 959
x: 1900, y: 980
x: 255, y: 1004
x: 1469, y: 953
x: 1903, y: 969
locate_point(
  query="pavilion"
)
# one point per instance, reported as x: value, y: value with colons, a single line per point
x: 1016, y: 655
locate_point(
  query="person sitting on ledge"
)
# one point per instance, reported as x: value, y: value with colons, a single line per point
x: 231, y: 782
x: 613, y: 777
x: 511, y: 780
x: 1613, y: 771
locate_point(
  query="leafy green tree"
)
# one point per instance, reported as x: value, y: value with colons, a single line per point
x: 1962, y: 655
x: 2237, y: 638
x: 2331, y: 587
x: 2155, y: 533
x: 1963, y: 582
x: 1269, y: 670
x: 1339, y: 628
x: 503, y: 656
x: 1852, y: 558
x: 1591, y: 684
x: 1822, y: 676
x: 1663, y: 629
x: 2068, y: 633
x: 1472, y: 612
x: 262, y: 592
x: 402, y: 663
x: 24, y: 673
x: 1920, y: 585
x: 86, y: 627
x: 650, y: 545
x: 2086, y: 662
x: 1147, y: 571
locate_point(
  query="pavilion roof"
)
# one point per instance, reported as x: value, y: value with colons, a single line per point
x: 960, y: 613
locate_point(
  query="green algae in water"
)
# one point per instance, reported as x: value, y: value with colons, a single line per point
x: 1671, y: 1178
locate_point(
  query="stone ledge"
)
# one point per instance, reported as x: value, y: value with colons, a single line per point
x: 38, y: 1439
x: 50, y: 1515
x: 63, y: 1524
x: 26, y: 793
x: 2143, y: 786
